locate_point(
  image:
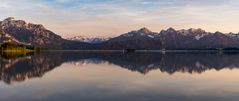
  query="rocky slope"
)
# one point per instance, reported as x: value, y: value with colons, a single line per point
x: 19, y: 31
x: 172, y: 39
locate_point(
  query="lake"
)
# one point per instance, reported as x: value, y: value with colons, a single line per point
x: 117, y: 76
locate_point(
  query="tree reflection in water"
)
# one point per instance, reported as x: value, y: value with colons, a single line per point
x: 16, y: 68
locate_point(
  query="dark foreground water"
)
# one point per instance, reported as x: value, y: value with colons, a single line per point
x: 114, y: 76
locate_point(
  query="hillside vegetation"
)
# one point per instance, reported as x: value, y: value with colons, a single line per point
x: 13, y: 47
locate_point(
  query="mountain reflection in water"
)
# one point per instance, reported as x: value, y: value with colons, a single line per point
x: 16, y: 69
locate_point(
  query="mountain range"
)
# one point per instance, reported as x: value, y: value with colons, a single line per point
x: 93, y: 40
x: 19, y: 31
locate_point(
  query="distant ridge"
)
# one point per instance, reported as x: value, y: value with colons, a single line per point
x: 144, y: 39
x: 93, y: 40
x: 19, y: 31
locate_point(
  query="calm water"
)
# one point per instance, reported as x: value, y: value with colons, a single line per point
x: 114, y: 76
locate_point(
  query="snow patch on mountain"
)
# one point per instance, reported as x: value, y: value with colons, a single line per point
x: 198, y: 37
x: 151, y: 36
x: 233, y: 35
x: 143, y: 32
x: 89, y: 39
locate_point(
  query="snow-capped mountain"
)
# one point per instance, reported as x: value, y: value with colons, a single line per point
x: 172, y: 39
x: 89, y: 39
x: 19, y: 31
x: 143, y: 32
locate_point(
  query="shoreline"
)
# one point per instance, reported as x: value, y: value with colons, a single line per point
x: 156, y: 51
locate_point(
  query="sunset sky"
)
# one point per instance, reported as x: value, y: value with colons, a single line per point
x: 113, y: 17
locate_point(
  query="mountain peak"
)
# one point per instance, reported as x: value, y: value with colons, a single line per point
x: 11, y: 22
x: 196, y: 30
x: 9, y: 19
x: 170, y: 30
x: 19, y: 31
x: 144, y: 30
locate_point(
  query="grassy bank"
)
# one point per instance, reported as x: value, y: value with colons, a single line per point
x: 9, y: 47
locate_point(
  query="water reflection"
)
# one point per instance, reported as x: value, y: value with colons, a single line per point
x: 18, y: 68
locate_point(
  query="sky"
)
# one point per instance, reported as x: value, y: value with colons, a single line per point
x: 107, y: 18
